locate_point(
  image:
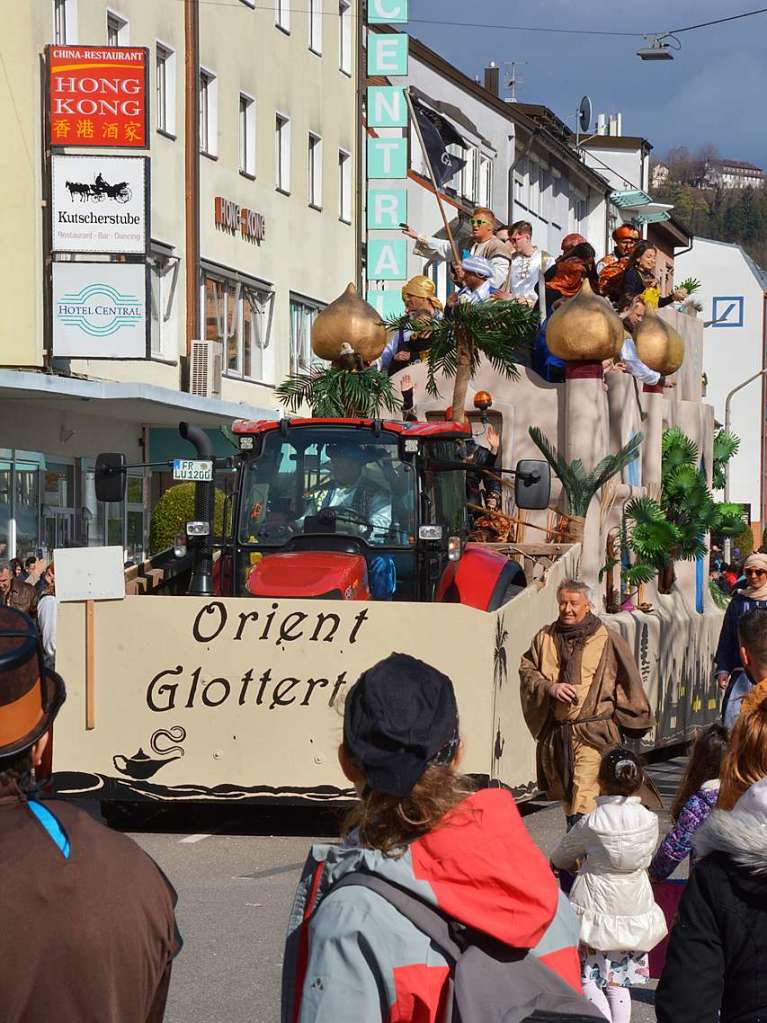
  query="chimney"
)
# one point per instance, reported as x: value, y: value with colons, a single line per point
x: 619, y: 123
x: 612, y: 128
x: 601, y: 124
x: 493, y: 78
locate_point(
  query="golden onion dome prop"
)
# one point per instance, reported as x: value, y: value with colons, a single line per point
x: 658, y: 345
x: 349, y: 320
x: 584, y: 329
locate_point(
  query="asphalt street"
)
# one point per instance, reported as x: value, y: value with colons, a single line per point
x: 235, y: 872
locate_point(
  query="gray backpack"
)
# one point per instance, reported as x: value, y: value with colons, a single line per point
x: 489, y: 982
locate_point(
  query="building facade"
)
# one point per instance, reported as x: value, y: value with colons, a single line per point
x: 732, y: 294
x: 276, y: 116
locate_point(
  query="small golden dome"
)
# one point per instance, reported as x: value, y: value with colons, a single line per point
x: 584, y: 329
x: 658, y: 345
x: 348, y: 320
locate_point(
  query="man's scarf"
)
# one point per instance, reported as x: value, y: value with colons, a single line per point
x: 570, y: 641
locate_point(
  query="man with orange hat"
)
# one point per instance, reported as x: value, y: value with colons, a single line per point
x: 89, y: 930
x: 409, y: 346
x: 625, y: 237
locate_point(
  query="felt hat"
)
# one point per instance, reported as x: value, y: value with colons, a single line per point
x: 400, y: 716
x: 30, y: 693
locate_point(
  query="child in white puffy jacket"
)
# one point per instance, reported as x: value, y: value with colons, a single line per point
x: 612, y: 895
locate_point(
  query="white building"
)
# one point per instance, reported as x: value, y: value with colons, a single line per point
x: 733, y: 299
x: 276, y: 111
x: 736, y: 174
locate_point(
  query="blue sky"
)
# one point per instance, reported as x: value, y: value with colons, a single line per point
x: 714, y: 91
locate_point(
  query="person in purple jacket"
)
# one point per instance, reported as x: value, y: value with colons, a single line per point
x: 695, y: 800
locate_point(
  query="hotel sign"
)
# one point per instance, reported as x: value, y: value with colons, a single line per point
x: 230, y: 216
x: 100, y: 310
x: 97, y: 96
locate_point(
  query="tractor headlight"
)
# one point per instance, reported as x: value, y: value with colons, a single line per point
x: 454, y: 548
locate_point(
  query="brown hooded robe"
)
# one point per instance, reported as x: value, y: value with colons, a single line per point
x: 572, y: 738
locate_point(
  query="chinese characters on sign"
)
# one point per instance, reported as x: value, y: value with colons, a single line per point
x: 230, y: 216
x: 98, y: 96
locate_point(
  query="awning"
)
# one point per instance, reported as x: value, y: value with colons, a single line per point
x: 143, y: 404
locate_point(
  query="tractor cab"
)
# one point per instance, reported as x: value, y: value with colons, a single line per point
x: 354, y: 509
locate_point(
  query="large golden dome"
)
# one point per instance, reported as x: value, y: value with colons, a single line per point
x: 584, y: 329
x: 348, y: 320
x: 658, y: 345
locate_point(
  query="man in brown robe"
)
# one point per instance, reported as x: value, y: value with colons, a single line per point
x: 580, y: 691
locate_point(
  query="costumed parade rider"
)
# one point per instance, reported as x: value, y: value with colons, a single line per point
x: 406, y: 347
x: 484, y: 243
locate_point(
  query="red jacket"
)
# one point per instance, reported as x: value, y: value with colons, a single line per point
x: 351, y: 956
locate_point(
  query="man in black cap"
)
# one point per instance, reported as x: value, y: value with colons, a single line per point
x: 88, y: 930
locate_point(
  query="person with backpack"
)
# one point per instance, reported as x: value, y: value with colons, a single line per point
x: 715, y: 965
x: 612, y: 895
x: 694, y: 801
x: 433, y: 886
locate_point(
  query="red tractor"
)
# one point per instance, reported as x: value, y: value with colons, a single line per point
x: 347, y: 509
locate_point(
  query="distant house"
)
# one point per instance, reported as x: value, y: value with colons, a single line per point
x: 659, y: 175
x: 735, y: 174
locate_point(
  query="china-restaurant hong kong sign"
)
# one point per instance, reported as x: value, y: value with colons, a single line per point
x: 98, y: 96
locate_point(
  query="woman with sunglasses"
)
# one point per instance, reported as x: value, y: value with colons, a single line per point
x: 729, y: 667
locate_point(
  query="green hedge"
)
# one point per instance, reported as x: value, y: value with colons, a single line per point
x: 172, y: 512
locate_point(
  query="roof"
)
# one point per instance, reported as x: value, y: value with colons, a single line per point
x: 443, y: 428
x: 131, y: 402
x: 616, y: 142
x: 673, y: 229
x: 740, y: 165
x: 757, y: 271
x: 513, y: 112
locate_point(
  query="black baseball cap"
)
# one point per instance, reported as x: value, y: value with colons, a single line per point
x: 400, y: 716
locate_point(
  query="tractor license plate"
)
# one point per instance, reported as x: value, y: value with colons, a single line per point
x: 196, y: 470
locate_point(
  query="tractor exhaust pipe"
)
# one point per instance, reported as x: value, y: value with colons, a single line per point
x: 201, y: 583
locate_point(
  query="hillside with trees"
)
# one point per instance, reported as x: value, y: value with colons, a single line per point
x: 726, y: 214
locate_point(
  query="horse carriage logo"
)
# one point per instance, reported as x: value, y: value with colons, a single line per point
x: 99, y: 190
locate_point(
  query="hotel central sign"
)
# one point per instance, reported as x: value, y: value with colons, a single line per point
x: 230, y: 216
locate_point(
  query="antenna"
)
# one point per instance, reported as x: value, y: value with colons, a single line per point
x: 513, y: 78
x: 582, y: 119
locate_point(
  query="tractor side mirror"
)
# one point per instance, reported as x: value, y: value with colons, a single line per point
x: 532, y: 484
x: 111, y: 477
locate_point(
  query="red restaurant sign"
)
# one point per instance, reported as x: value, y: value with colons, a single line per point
x: 98, y: 96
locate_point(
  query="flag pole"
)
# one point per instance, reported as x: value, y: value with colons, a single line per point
x: 416, y: 125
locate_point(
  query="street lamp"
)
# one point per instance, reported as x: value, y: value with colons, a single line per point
x: 727, y: 424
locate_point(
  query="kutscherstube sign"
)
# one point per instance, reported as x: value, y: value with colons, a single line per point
x: 100, y: 204
x: 98, y: 96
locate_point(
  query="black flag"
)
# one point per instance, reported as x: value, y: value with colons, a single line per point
x: 438, y: 133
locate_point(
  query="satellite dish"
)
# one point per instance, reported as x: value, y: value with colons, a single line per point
x: 584, y: 114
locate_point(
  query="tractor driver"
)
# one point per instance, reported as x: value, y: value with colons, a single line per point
x: 347, y: 490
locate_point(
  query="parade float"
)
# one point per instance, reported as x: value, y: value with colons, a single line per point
x: 234, y: 692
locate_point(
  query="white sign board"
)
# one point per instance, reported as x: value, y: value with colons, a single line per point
x: 100, y: 310
x: 100, y: 204
x: 89, y: 573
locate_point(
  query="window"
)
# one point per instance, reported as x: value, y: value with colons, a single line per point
x: 247, y: 119
x: 468, y: 173
x: 520, y: 191
x: 65, y: 21
x: 344, y: 186
x: 315, y: 26
x: 282, y: 153
x: 239, y: 315
x: 345, y: 36
x: 315, y: 171
x: 163, y: 279
x: 578, y: 211
x: 485, y: 183
x: 117, y: 30
x: 208, y: 113
x: 165, y: 84
x: 533, y: 170
x: 303, y: 313
x: 282, y: 14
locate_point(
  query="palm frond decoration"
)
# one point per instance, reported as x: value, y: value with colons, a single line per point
x: 340, y: 393
x: 580, y: 486
x: 499, y: 331
x: 677, y: 449
x: 726, y: 446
